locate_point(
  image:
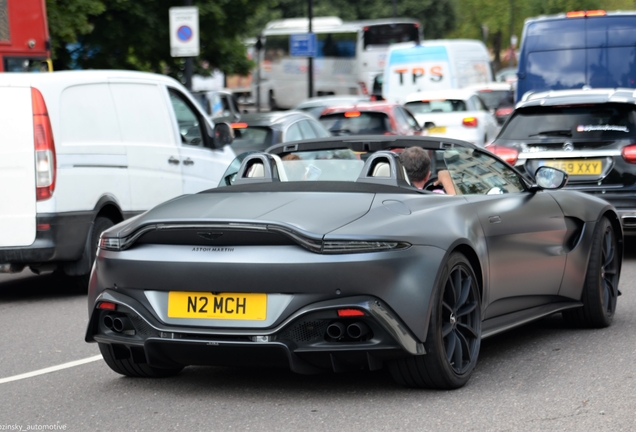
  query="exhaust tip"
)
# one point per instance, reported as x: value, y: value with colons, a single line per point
x: 357, y: 330
x: 108, y: 322
x: 336, y: 330
x: 121, y: 324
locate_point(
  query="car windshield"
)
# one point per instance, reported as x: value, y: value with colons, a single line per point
x: 602, y: 122
x: 252, y: 136
x: 436, y: 106
x: 473, y: 172
x: 492, y: 98
x: 356, y: 123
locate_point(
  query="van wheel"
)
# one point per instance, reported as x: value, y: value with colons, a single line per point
x: 272, y: 101
x: 80, y: 282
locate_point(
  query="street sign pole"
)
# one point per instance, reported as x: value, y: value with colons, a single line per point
x: 184, y: 37
x: 310, y: 72
x: 189, y: 61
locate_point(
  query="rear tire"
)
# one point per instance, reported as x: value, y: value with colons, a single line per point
x: 100, y: 225
x: 454, y: 333
x: 128, y: 368
x: 600, y: 290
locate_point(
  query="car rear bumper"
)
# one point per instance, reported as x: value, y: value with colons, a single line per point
x: 301, y: 342
x: 59, y: 237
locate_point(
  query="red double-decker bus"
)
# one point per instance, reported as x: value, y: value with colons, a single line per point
x: 25, y: 45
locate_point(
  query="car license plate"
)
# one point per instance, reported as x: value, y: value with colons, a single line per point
x: 232, y: 306
x: 577, y: 166
x: 437, y: 130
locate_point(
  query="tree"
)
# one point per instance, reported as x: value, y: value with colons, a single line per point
x: 134, y: 34
x: 69, y: 19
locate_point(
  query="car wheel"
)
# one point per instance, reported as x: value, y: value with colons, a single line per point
x: 129, y: 368
x: 600, y: 290
x: 454, y: 333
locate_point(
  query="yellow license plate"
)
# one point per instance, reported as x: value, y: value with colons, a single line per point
x: 436, y: 130
x: 577, y: 166
x: 232, y: 306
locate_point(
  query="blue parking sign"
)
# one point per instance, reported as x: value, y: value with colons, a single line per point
x: 302, y: 45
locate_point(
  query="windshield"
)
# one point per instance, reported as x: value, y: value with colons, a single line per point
x: 252, y: 136
x: 356, y: 123
x: 492, y: 98
x: 436, y: 106
x: 602, y: 122
x: 387, y: 34
x: 472, y: 171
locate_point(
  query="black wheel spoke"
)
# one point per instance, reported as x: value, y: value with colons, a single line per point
x: 457, y: 285
x: 467, y: 331
x: 608, y: 249
x: 610, y: 287
x: 447, y: 307
x: 446, y: 329
x: 450, y: 346
x: 450, y: 297
x: 465, y: 291
x: 458, y: 357
x: 606, y: 294
x: 466, y: 309
x: 465, y: 346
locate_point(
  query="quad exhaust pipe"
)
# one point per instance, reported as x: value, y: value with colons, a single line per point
x: 356, y: 330
x: 117, y: 323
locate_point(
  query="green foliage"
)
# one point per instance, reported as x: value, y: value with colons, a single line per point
x: 134, y: 34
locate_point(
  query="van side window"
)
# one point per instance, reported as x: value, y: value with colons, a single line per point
x: 189, y: 123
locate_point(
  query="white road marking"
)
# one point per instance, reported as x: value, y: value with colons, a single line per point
x: 50, y: 369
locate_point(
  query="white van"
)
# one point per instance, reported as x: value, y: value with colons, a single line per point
x: 83, y: 150
x: 435, y: 65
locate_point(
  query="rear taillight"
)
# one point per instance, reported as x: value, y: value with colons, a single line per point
x: 629, y: 153
x: 508, y: 154
x: 501, y: 112
x: 470, y: 121
x: 44, y: 148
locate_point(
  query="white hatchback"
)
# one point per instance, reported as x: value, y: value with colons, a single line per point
x: 458, y: 114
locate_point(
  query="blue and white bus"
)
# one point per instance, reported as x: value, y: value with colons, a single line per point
x: 349, y: 57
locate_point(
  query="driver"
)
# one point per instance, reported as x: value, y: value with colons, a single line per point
x: 418, y: 167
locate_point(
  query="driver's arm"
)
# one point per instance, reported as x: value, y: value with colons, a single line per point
x: 444, y: 178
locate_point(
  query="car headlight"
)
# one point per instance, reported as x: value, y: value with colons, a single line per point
x: 110, y: 243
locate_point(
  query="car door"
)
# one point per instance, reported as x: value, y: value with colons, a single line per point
x: 525, y: 233
x: 201, y: 167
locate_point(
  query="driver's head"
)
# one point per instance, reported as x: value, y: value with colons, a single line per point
x: 417, y: 163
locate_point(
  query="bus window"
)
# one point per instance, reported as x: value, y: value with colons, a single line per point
x: 276, y: 47
x: 387, y: 34
x: 336, y: 45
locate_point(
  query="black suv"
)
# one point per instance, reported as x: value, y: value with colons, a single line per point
x: 589, y: 133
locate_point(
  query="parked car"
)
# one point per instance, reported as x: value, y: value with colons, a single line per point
x: 352, y: 268
x: 590, y: 134
x: 84, y: 150
x: 381, y: 118
x: 220, y: 105
x: 316, y: 105
x: 258, y: 131
x: 458, y: 114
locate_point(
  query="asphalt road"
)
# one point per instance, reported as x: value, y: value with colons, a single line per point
x: 543, y: 376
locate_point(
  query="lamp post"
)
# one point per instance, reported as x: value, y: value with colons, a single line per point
x: 310, y: 60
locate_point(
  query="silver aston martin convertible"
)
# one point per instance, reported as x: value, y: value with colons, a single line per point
x: 320, y: 255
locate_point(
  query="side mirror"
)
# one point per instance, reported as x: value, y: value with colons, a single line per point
x: 550, y: 178
x: 428, y: 125
x: 223, y: 134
